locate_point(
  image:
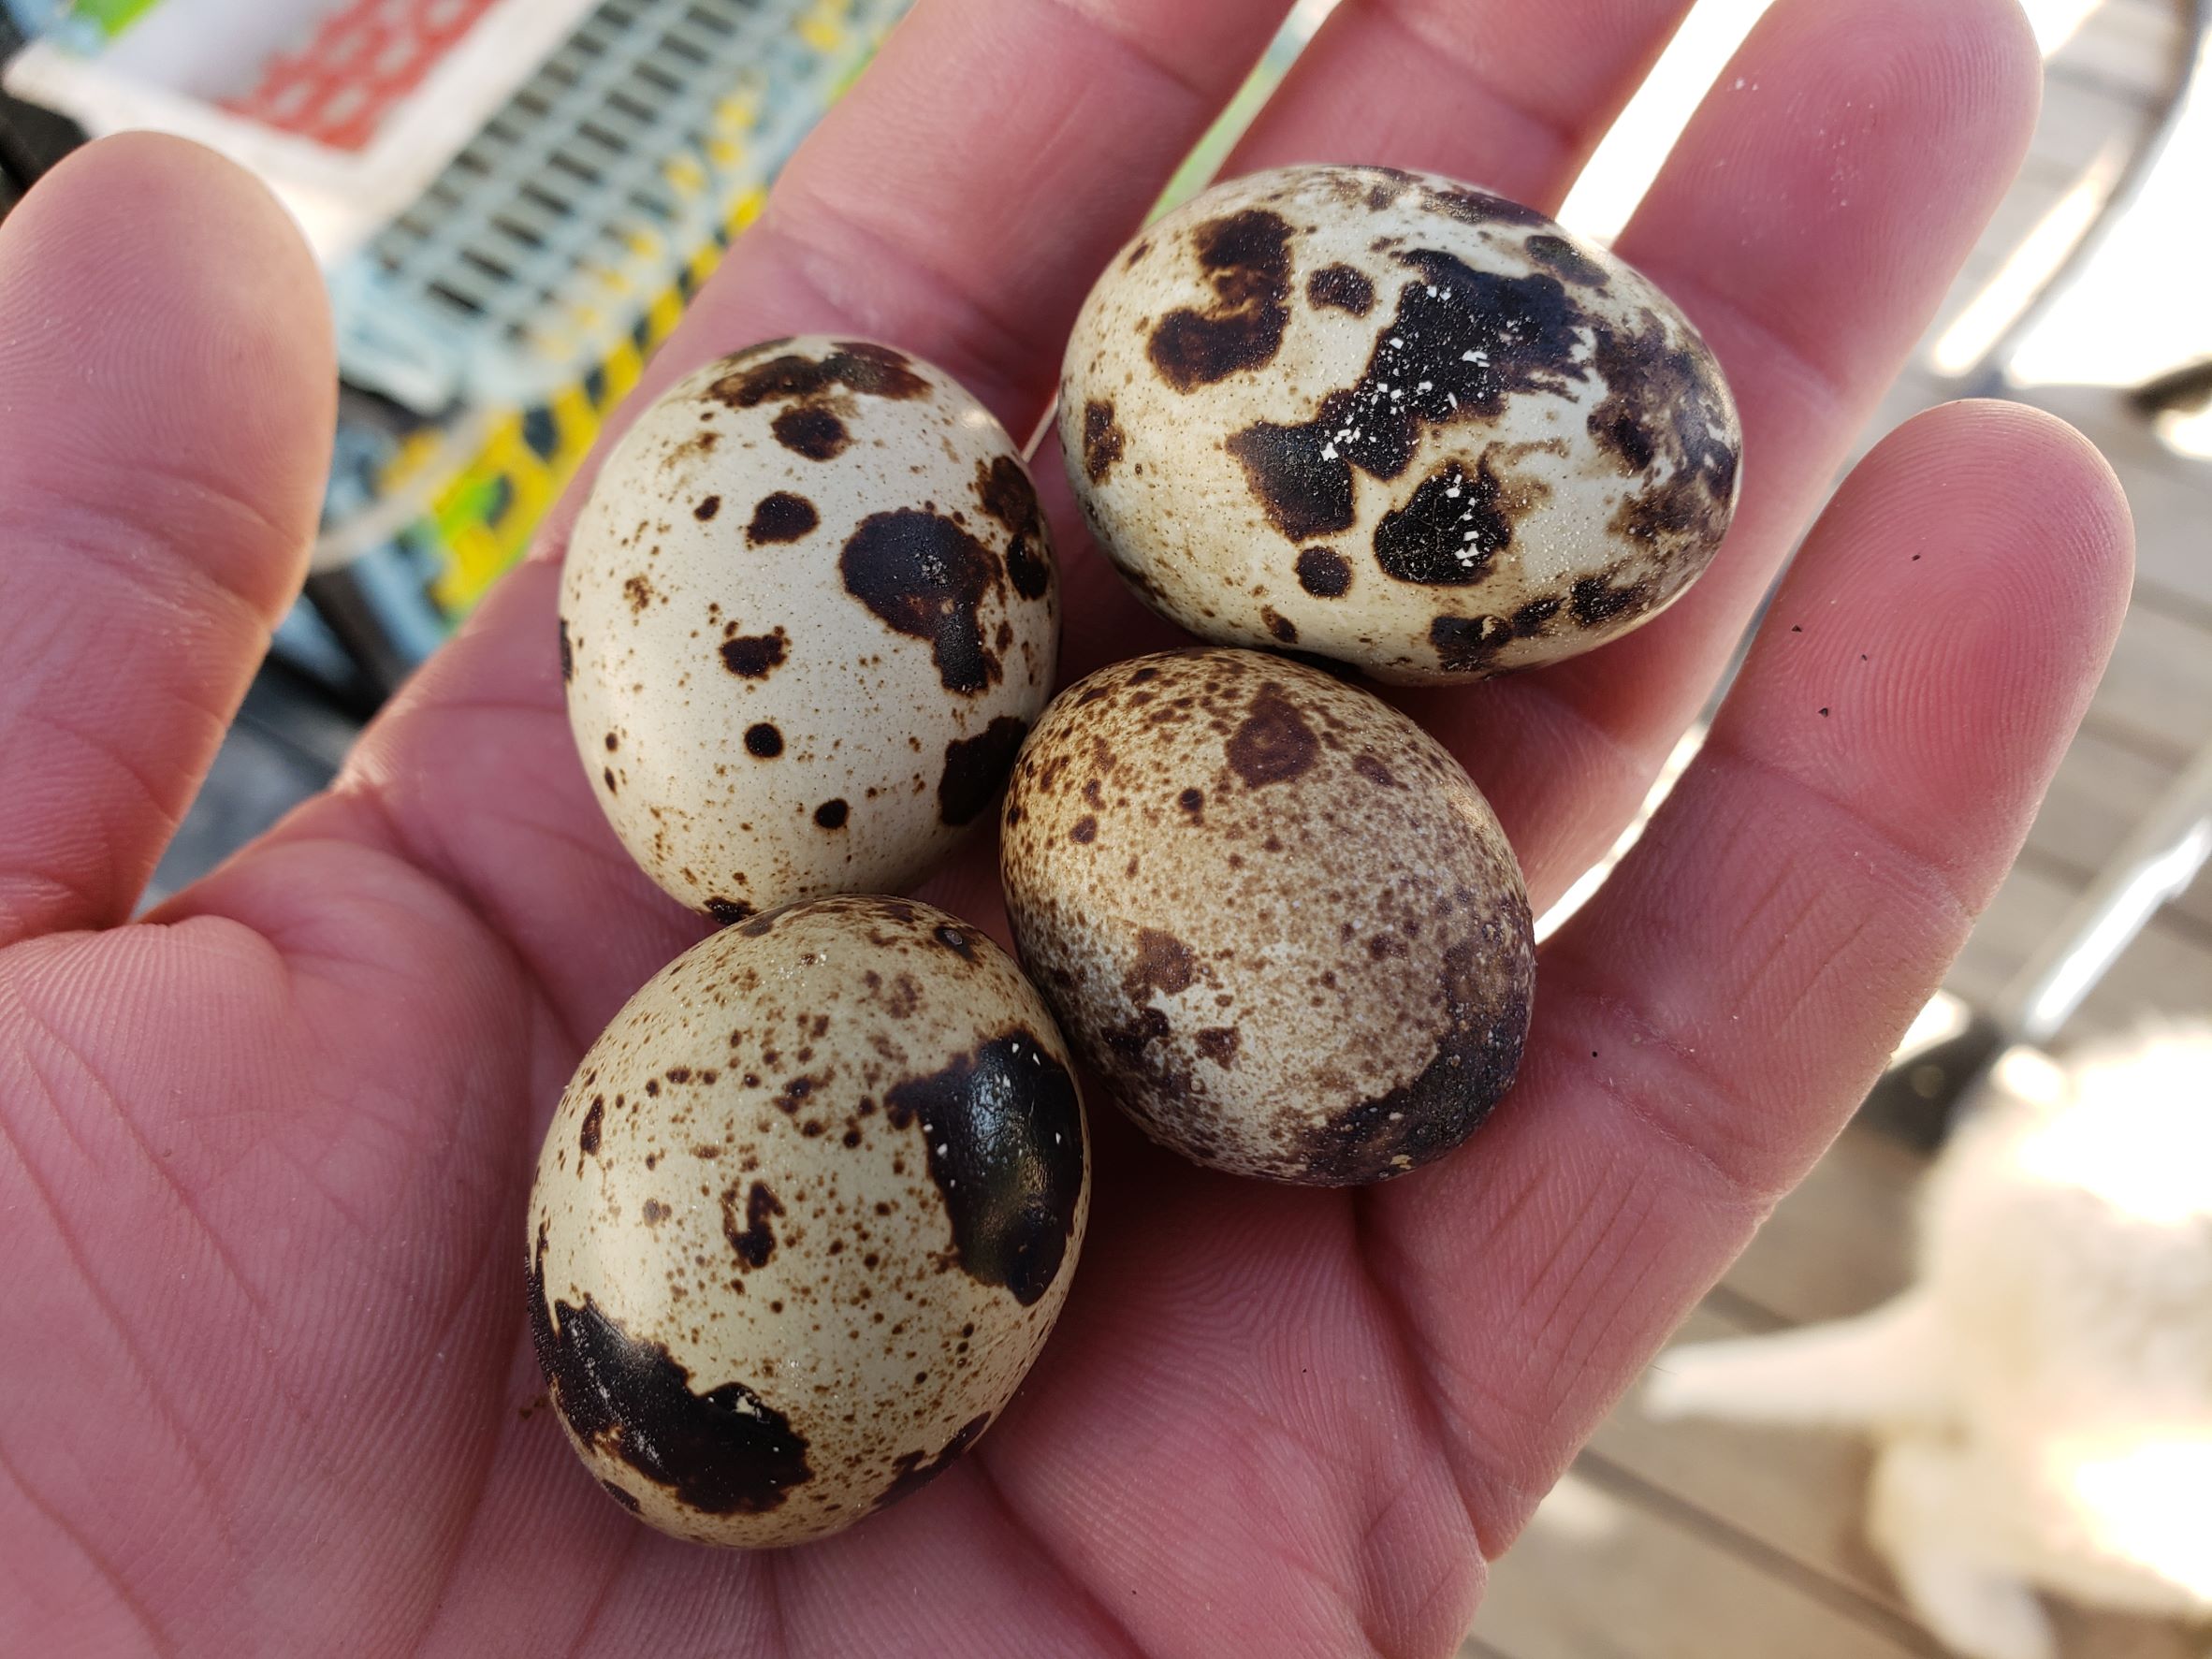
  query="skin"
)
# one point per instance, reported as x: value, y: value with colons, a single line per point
x: 265, y: 1155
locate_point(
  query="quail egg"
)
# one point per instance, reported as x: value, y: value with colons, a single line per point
x: 806, y: 616
x: 1272, y: 913
x: 802, y: 1220
x: 1393, y: 420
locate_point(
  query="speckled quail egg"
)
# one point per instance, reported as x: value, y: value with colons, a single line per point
x: 806, y: 616
x: 802, y: 1220
x: 1272, y: 913
x: 1393, y: 420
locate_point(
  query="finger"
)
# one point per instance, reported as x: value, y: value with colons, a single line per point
x: 165, y: 404
x: 1805, y: 228
x: 1507, y: 95
x: 957, y: 201
x: 1704, y: 1027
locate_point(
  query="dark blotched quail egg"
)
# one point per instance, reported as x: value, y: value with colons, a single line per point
x: 1272, y: 913
x: 807, y: 618
x: 1394, y: 420
x: 802, y: 1220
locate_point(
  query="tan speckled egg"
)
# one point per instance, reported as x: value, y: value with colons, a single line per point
x: 807, y: 618
x: 802, y: 1220
x: 1396, y: 421
x: 1272, y: 913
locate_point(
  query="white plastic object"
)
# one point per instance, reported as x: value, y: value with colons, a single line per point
x: 172, y: 69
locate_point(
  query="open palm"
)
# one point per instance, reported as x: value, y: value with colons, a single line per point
x: 264, y: 1376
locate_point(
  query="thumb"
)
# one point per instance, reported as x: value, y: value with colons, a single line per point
x: 166, y: 395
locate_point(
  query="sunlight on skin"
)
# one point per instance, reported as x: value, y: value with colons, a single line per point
x: 1575, y: 897
x: 1628, y: 159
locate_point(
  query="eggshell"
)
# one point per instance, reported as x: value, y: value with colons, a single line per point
x: 1272, y: 913
x: 806, y: 616
x: 802, y: 1220
x: 1394, y: 420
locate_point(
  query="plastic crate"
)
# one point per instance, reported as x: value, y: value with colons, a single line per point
x: 427, y: 517
x: 532, y: 254
x: 347, y: 107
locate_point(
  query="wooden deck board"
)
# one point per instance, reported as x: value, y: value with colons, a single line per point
x: 2167, y: 970
x: 1841, y: 1243
x: 2158, y: 690
x: 1608, y: 1571
x: 1798, y: 1493
x: 2128, y: 45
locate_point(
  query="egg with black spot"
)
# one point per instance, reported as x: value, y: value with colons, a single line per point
x: 1396, y: 421
x: 802, y: 1220
x: 807, y: 616
x: 1274, y: 915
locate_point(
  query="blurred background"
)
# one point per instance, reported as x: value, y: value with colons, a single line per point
x: 513, y: 199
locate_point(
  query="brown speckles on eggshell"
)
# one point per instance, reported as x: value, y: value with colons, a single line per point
x: 1103, y: 440
x: 1324, y: 572
x: 854, y: 365
x: 755, y: 656
x: 806, y: 673
x: 1558, y: 254
x: 718, y: 1452
x: 1001, y: 1131
x: 819, y: 434
x: 1245, y: 260
x: 779, y: 518
x: 975, y: 769
x: 1272, y: 744
x: 1161, y: 962
x: 916, y: 1470
x: 1446, y: 534
x: 1398, y: 954
x: 1219, y: 1044
x: 1341, y: 288
x: 942, y: 1204
x: 1581, y: 421
x: 926, y: 576
x: 750, y: 1228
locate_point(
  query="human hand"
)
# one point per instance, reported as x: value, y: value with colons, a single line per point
x: 264, y: 1155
